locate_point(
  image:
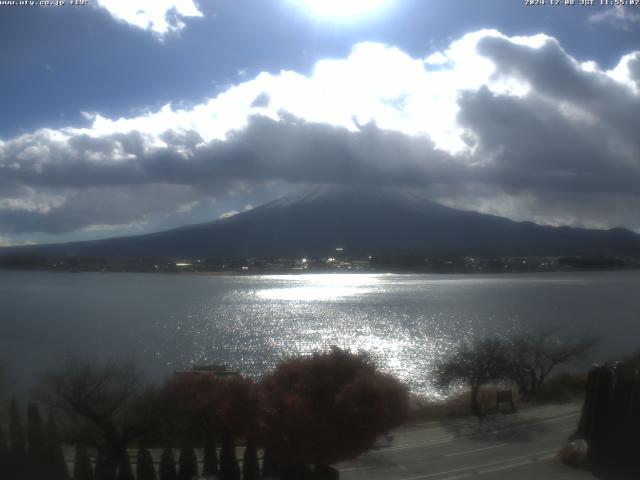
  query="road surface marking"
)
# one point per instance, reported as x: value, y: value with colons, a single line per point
x: 410, y: 427
x: 505, y: 467
x: 425, y: 443
x: 457, y: 477
x: 354, y: 469
x: 424, y: 424
x: 465, y: 452
x: 398, y: 435
x: 472, y: 468
x: 438, y: 474
x: 547, y: 457
x: 530, y: 424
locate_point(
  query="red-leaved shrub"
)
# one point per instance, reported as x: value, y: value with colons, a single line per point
x: 328, y: 408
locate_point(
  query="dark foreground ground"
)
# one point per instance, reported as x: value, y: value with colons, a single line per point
x: 521, y: 446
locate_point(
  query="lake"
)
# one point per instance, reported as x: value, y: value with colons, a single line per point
x: 406, y: 322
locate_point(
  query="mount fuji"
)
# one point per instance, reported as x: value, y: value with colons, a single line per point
x: 363, y: 221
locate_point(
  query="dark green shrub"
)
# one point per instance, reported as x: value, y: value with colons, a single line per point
x: 37, y: 450
x: 269, y: 467
x: 250, y: 465
x: 55, y: 455
x: 188, y: 463
x: 82, y: 469
x: 168, y: 465
x: 229, y: 468
x: 210, y: 457
x: 144, y: 469
x: 125, y: 472
x: 17, y: 444
x: 4, y: 452
x: 105, y: 469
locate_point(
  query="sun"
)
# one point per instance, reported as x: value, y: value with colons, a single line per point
x: 342, y: 9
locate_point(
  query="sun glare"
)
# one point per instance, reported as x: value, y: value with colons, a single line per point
x: 322, y: 287
x: 342, y: 9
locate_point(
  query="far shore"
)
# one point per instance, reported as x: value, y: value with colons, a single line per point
x: 234, y: 273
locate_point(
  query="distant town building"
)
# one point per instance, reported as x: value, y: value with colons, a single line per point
x: 215, y: 370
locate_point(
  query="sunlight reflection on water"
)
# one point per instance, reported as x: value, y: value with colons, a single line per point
x: 295, y: 315
x: 405, y: 322
x: 313, y: 288
x: 308, y: 294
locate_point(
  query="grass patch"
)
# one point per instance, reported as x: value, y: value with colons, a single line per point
x: 459, y: 405
x: 561, y: 388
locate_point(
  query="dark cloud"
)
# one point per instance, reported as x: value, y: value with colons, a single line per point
x: 286, y: 149
x: 527, y: 144
x: 99, y: 207
x: 557, y: 77
x: 564, y: 151
x: 117, y: 179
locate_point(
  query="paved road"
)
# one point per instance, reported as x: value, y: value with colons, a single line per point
x: 519, y: 446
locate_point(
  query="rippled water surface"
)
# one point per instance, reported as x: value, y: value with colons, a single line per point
x: 405, y: 322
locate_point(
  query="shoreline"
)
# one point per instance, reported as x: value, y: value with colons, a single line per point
x: 231, y: 273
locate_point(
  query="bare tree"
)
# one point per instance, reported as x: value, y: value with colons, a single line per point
x: 533, y: 357
x: 102, y: 405
x: 474, y: 364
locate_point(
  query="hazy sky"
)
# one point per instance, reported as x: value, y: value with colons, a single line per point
x: 124, y: 117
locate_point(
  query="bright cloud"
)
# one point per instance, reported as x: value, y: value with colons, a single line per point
x: 376, y: 83
x: 619, y: 17
x: 159, y: 16
x: 509, y: 125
